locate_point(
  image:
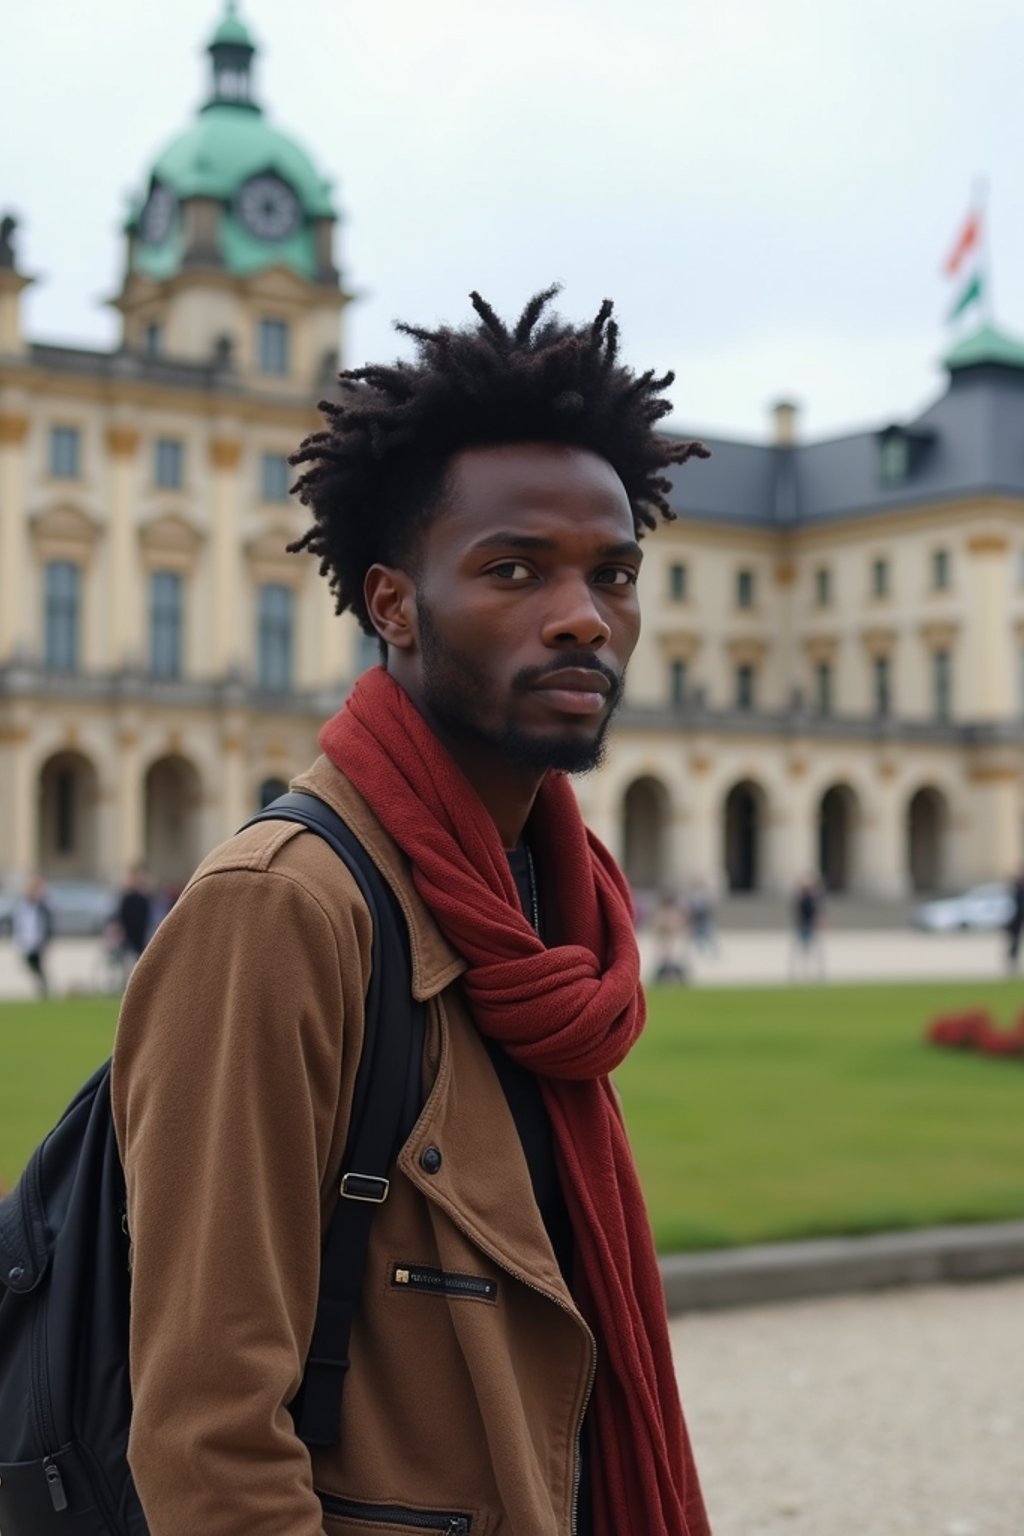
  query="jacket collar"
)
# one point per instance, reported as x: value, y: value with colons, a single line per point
x: 434, y: 963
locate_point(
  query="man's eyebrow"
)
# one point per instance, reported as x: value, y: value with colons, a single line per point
x: 506, y: 539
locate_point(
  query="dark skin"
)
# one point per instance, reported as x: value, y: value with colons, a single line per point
x: 521, y: 616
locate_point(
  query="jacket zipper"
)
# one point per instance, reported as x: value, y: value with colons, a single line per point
x: 397, y: 1514
x: 550, y: 1296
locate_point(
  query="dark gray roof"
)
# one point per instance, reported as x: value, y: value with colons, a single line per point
x: 969, y: 442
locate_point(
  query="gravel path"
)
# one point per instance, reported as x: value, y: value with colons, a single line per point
x: 894, y: 1414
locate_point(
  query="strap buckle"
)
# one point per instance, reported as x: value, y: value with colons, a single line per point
x: 365, y: 1186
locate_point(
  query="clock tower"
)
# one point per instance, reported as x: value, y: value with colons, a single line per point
x: 230, y: 258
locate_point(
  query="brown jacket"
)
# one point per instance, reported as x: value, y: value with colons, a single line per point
x: 233, y: 1073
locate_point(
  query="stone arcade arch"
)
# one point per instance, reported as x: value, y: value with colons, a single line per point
x: 927, y: 827
x: 68, y: 817
x: 838, y: 825
x: 645, y: 842
x: 744, y: 822
x: 173, y: 796
x: 268, y: 790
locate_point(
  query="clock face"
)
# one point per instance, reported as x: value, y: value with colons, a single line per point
x: 268, y: 208
x: 158, y: 215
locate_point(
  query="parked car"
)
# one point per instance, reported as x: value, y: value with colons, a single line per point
x: 983, y: 906
x: 79, y: 907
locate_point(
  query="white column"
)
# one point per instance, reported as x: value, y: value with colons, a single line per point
x: 125, y: 599
x: 229, y: 590
x: 15, y: 566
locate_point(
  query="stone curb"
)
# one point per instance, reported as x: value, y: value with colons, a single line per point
x: 738, y: 1277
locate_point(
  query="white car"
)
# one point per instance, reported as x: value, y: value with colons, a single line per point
x: 983, y: 906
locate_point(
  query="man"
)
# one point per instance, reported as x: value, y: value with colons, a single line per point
x: 33, y: 929
x: 133, y: 917
x: 478, y: 509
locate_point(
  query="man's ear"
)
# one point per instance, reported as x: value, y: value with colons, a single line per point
x: 390, y: 597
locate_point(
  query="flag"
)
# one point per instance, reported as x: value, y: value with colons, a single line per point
x: 965, y: 265
x: 968, y: 240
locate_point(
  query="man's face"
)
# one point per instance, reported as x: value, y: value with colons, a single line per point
x: 526, y: 605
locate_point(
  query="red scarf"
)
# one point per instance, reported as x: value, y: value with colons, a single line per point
x: 570, y: 1014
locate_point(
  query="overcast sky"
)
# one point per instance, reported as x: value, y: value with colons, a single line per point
x: 767, y: 188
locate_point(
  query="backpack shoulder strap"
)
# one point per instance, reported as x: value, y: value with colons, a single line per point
x: 385, y: 1103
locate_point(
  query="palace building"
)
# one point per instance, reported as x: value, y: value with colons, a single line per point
x: 830, y: 675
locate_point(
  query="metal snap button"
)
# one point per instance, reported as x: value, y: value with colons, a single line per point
x: 430, y: 1159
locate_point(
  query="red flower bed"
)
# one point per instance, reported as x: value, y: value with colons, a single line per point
x: 976, y: 1031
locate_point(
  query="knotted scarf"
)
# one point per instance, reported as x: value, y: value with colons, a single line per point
x: 570, y: 1013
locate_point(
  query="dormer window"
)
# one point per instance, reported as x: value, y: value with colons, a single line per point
x: 894, y: 460
x: 900, y: 450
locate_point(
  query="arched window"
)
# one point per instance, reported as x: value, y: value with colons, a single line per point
x: 275, y: 641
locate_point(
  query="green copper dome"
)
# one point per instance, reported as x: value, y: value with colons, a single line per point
x: 986, y: 345
x: 231, y: 30
x: 230, y: 143
x: 269, y: 188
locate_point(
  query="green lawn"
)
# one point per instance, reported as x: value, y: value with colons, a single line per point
x: 755, y: 1114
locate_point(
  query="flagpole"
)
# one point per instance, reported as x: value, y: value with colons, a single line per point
x: 979, y: 195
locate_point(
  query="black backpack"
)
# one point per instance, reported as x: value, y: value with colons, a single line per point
x: 65, y: 1397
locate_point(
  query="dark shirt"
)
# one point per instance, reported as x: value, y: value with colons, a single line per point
x: 522, y: 1091
x: 133, y: 916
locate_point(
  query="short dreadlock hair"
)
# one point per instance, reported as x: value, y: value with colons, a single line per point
x: 376, y: 472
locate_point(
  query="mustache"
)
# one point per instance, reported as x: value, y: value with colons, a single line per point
x: 584, y: 661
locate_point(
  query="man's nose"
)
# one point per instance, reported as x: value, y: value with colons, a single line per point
x: 574, y: 618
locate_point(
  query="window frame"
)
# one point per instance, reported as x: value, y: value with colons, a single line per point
x: 275, y: 638
x: 166, y: 625
x: 168, y: 463
x: 65, y: 436
x: 275, y: 477
x: 62, y: 617
x: 274, y: 346
x: 746, y: 588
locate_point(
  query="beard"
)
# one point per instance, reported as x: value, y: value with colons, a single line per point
x: 460, y: 696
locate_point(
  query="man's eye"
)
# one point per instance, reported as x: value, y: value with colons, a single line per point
x: 511, y: 570
x: 617, y: 576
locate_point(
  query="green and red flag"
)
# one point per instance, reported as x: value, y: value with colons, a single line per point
x: 965, y: 265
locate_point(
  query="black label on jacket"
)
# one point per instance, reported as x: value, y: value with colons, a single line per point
x: 443, y: 1282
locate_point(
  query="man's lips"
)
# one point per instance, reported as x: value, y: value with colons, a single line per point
x: 574, y: 691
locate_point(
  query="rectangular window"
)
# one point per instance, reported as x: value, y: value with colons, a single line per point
x: 61, y: 604
x: 744, y: 589
x: 168, y: 464
x: 273, y: 347
x: 65, y: 452
x: 883, y: 685
x: 940, y: 569
x: 166, y: 603
x: 677, y: 682
x: 275, y: 639
x: 880, y: 578
x: 677, y: 583
x: 153, y: 340
x: 745, y: 686
x: 942, y: 684
x: 823, y: 687
x: 274, y: 477
x: 823, y: 586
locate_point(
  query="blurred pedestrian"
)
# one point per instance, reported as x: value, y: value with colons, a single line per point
x: 808, y: 922
x: 702, y: 918
x: 33, y: 929
x: 1015, y: 923
x: 669, y: 925
x: 134, y: 917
